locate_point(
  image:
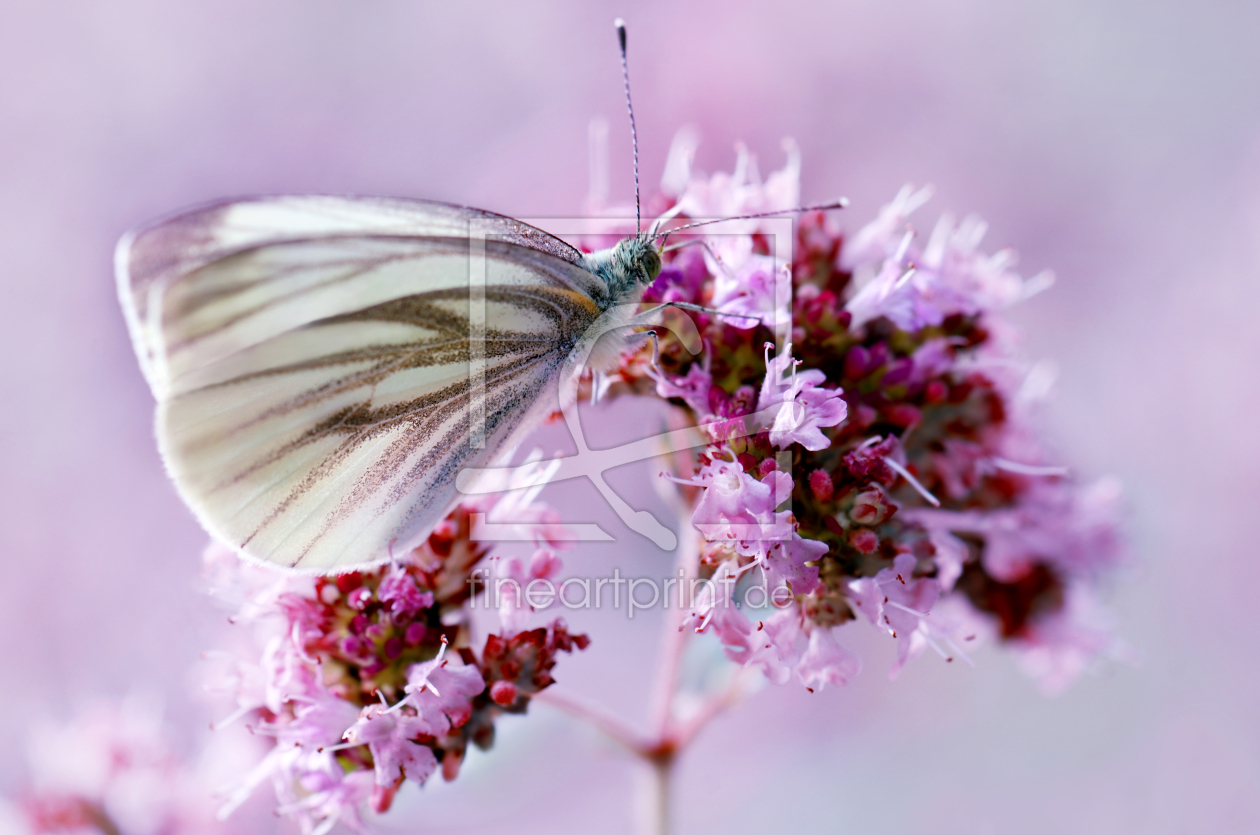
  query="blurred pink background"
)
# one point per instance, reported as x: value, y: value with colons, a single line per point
x: 1117, y: 143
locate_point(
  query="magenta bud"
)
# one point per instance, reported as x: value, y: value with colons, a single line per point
x: 904, y: 415
x: 898, y: 373
x: 415, y: 634
x: 856, y: 362
x: 879, y: 356
x: 393, y: 647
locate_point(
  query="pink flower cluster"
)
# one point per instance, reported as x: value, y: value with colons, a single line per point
x: 112, y: 769
x: 872, y: 458
x: 368, y: 679
x: 882, y: 464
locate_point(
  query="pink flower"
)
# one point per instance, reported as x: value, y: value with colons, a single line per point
x: 441, y: 691
x: 761, y: 291
x: 735, y: 506
x: 714, y: 607
x: 533, y: 520
x: 112, y: 768
x: 398, y: 590
x: 328, y: 797
x: 389, y: 735
x: 777, y: 644
x: 1055, y: 650
x: 785, y: 564
x: 692, y: 388
x: 826, y: 662
x: 1069, y: 526
x: 740, y: 193
x: 513, y: 583
x: 319, y: 719
x: 951, y: 553
x: 916, y: 288
x: 774, y: 645
x: 805, y: 408
x: 900, y: 605
x: 872, y: 241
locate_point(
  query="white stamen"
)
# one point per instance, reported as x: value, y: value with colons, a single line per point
x: 601, y: 382
x: 1039, y: 283
x: 907, y: 609
x: 903, y: 247
x: 914, y: 482
x: 341, y: 746
x: 706, y: 620
x: 1027, y: 469
x: 927, y: 638
x: 230, y: 718
x: 958, y: 651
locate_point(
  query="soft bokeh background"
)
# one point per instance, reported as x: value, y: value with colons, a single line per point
x: 1117, y: 142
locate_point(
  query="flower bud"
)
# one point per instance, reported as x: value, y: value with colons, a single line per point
x: 871, y: 507
x: 821, y: 484
x: 865, y: 540
x: 359, y: 598
x: 503, y: 693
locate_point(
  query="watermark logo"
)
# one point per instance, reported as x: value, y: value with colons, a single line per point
x: 492, y: 591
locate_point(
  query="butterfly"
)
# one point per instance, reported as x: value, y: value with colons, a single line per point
x: 324, y: 367
x: 332, y: 372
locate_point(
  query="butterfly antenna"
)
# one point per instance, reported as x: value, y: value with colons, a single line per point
x: 822, y: 207
x: 634, y: 136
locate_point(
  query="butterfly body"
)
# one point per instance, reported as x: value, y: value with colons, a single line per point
x: 313, y: 359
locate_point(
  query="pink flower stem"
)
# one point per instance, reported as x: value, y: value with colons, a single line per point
x: 653, y: 806
x: 659, y: 751
x: 674, y: 639
x: 654, y: 788
x: 612, y: 727
x: 731, y: 695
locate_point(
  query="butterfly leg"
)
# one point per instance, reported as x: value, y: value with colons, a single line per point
x: 656, y: 345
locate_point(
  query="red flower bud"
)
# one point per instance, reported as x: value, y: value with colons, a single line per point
x: 503, y: 693
x: 820, y: 482
x: 865, y: 540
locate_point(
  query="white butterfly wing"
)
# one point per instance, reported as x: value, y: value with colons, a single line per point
x: 311, y: 355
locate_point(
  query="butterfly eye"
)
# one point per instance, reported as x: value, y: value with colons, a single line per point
x: 651, y: 263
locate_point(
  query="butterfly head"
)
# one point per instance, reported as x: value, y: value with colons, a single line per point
x: 639, y: 258
x: 628, y: 267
